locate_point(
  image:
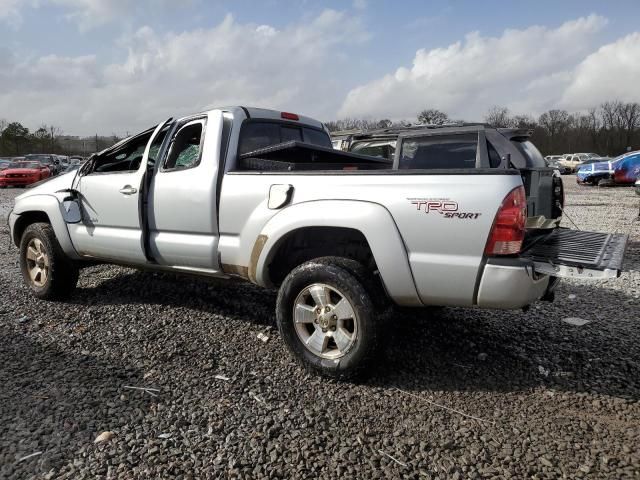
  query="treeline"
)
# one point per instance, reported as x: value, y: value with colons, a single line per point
x: 17, y: 140
x: 609, y: 129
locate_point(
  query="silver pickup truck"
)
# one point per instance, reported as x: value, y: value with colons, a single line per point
x: 261, y: 195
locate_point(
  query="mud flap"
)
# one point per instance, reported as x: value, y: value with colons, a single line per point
x: 578, y: 254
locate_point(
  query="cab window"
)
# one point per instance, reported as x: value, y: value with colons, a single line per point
x: 185, y: 150
x: 124, y: 158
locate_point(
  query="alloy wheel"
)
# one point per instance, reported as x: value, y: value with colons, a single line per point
x: 325, y: 321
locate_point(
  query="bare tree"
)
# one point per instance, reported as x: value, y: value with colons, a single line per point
x: 433, y: 117
x: 54, y: 133
x: 41, y: 138
x: 524, y: 121
x: 498, y: 117
x: 630, y: 117
x: 555, y: 122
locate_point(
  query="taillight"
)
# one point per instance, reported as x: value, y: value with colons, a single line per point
x: 289, y: 116
x: 507, y: 232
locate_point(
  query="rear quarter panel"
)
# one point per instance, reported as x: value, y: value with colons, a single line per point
x: 443, y: 220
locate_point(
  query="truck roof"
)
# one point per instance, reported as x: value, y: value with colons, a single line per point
x: 269, y: 114
x: 248, y: 112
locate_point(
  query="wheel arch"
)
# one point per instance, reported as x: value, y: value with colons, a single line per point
x: 368, y: 226
x: 41, y: 208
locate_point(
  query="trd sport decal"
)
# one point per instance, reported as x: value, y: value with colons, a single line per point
x: 444, y: 206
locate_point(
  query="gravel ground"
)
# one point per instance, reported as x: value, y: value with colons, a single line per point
x: 458, y: 393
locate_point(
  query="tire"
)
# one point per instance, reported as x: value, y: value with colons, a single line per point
x: 372, y: 285
x: 58, y: 274
x: 357, y: 328
x: 605, y: 182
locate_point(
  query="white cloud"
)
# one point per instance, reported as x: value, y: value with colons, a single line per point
x: 85, y: 14
x: 91, y: 13
x: 10, y: 12
x: 611, y: 73
x: 522, y: 69
x: 168, y: 74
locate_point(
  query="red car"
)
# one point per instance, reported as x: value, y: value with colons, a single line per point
x: 21, y: 174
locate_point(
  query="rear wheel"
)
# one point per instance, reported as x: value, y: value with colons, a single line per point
x: 46, y: 270
x: 327, y: 319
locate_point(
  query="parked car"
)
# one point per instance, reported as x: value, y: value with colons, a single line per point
x: 586, y: 156
x: 570, y: 163
x: 595, y: 160
x: 71, y: 167
x: 4, y: 163
x: 595, y: 172
x: 341, y: 139
x: 50, y: 161
x: 76, y: 160
x: 23, y: 173
x: 262, y: 196
x: 553, y: 158
x: 623, y: 170
x: 64, y: 161
x: 626, y: 170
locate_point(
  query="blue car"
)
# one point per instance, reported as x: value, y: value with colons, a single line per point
x: 592, y: 173
x: 623, y: 170
x: 626, y: 170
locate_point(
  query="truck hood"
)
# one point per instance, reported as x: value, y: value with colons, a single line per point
x: 50, y: 185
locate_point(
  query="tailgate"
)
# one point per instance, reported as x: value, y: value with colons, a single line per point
x: 578, y: 254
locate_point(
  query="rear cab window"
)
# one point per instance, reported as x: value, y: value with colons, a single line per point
x: 258, y: 134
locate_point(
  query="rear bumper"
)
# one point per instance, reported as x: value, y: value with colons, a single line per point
x: 510, y: 283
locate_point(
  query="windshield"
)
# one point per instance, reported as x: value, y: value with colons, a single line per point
x: 39, y: 158
x: 529, y: 151
x: 33, y: 165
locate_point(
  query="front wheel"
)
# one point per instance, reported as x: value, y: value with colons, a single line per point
x: 46, y: 270
x: 327, y: 319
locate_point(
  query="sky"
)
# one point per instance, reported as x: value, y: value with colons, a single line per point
x: 117, y: 66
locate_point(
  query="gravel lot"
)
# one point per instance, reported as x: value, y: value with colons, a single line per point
x: 458, y: 393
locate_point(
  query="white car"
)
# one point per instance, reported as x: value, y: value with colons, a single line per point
x: 571, y: 162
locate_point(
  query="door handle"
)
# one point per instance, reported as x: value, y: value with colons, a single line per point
x: 128, y: 190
